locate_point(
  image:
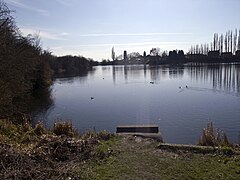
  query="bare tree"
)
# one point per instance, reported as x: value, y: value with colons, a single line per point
x: 133, y: 54
x: 191, y: 50
x: 197, y: 49
x: 226, y: 42
x: 215, y: 41
x: 205, y: 48
x: 120, y: 57
x: 155, y: 51
x: 211, y: 46
x: 231, y: 41
x: 221, y: 43
x: 235, y: 41
x: 201, y: 49
x: 24, y: 67
x: 238, y: 46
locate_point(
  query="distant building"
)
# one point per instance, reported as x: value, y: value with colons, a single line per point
x: 226, y: 54
x: 213, y: 54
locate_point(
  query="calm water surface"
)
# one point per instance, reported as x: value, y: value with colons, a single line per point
x: 124, y: 95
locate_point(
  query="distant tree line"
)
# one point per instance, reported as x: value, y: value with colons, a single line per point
x: 70, y: 65
x: 223, y: 48
x: 224, y: 43
x: 155, y: 57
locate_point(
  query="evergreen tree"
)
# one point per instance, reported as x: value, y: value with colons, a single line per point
x: 113, y: 54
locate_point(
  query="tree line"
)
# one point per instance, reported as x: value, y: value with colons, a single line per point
x: 221, y: 49
x: 25, y: 68
x: 229, y: 42
x: 70, y: 65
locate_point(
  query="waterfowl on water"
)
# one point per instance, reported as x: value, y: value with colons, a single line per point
x: 152, y: 82
x: 92, y: 97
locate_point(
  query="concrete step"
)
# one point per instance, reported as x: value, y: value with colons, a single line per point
x: 137, y: 129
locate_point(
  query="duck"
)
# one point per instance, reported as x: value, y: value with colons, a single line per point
x: 152, y: 82
x: 92, y: 98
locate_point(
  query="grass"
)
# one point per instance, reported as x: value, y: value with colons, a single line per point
x: 131, y: 159
x: 104, y: 149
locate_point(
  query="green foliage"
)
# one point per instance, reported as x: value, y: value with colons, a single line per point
x: 227, y: 150
x: 103, y: 151
x: 107, y: 141
x: 104, y: 135
x: 208, y: 137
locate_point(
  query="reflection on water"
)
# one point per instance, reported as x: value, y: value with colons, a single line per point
x: 180, y: 99
x: 223, y: 77
x: 42, y: 103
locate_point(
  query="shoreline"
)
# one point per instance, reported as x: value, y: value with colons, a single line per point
x: 62, y: 153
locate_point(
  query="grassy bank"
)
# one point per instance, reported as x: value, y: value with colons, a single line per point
x: 61, y: 153
x: 138, y: 158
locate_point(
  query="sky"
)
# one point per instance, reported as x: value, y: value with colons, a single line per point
x: 91, y: 28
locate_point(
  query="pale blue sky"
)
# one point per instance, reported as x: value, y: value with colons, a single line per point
x: 92, y: 27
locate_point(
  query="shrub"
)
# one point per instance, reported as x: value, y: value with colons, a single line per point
x: 22, y: 133
x: 39, y: 129
x: 104, y: 135
x: 64, y: 128
x: 26, y: 127
x: 28, y: 137
x: 8, y: 129
x: 209, y: 139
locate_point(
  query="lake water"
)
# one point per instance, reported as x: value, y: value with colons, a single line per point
x: 123, y: 95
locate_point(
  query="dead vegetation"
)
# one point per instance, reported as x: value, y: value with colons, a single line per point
x: 208, y: 137
x: 38, y: 153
